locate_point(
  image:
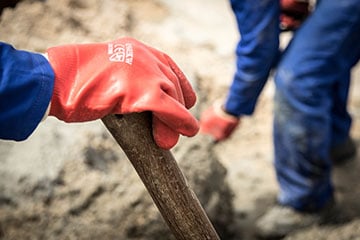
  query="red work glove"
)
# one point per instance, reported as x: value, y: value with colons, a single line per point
x: 120, y: 77
x: 293, y: 14
x: 218, y: 123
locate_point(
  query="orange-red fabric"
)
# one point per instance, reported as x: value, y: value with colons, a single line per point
x: 293, y: 13
x: 121, y: 77
x: 219, y: 126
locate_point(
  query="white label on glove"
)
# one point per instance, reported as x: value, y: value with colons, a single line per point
x: 120, y: 52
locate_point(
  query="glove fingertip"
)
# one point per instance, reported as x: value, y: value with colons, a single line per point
x: 192, y: 128
x: 164, y: 136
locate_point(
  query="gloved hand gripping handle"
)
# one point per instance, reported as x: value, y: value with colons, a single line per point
x: 161, y: 176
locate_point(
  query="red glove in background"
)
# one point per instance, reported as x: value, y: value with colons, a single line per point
x: 293, y: 14
x: 121, y: 77
x: 217, y: 123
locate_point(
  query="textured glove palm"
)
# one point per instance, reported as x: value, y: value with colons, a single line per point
x: 121, y: 77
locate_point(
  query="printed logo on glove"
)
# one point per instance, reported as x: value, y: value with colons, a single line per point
x: 121, y: 77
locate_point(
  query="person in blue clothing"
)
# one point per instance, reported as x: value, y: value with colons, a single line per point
x: 85, y: 82
x: 311, y: 127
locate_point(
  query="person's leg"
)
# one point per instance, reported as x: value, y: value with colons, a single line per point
x: 341, y: 119
x: 342, y: 147
x: 315, y: 63
x: 256, y: 52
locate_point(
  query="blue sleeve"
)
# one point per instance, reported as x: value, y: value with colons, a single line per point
x: 256, y: 52
x: 26, y: 85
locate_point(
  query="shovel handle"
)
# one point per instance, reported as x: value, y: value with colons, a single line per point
x: 162, y: 177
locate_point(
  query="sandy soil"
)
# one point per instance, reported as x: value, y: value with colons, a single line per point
x: 48, y: 165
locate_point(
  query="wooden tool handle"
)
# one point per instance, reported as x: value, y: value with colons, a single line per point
x: 161, y: 176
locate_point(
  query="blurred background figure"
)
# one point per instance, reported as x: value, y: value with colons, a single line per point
x: 311, y: 121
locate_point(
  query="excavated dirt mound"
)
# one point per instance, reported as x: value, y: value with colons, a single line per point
x: 72, y: 181
x: 99, y: 196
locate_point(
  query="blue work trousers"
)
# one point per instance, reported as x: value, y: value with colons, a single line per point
x: 310, y: 114
x: 256, y: 53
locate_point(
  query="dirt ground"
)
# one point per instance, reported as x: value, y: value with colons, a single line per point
x: 65, y: 175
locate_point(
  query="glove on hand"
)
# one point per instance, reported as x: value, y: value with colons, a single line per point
x: 217, y: 123
x: 121, y: 77
x: 293, y: 14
